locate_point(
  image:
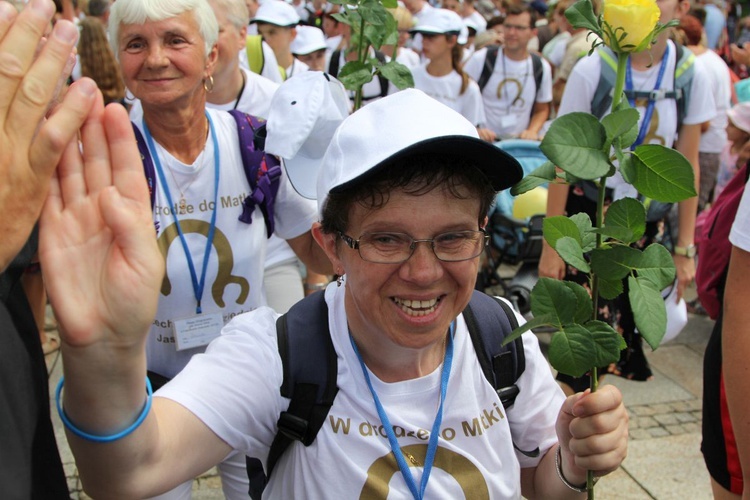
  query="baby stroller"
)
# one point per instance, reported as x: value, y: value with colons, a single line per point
x: 515, y: 229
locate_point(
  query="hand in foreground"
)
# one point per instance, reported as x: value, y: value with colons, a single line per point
x: 102, y: 266
x: 685, y: 272
x: 550, y: 264
x: 593, y: 432
x: 30, y: 147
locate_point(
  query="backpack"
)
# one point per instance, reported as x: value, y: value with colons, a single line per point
x: 333, y: 70
x: 263, y: 171
x: 489, y: 67
x: 255, y: 59
x: 310, y: 369
x: 715, y: 247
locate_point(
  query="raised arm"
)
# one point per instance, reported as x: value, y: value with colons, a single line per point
x: 103, y: 272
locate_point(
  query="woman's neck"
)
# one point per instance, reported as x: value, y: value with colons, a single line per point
x: 182, y: 132
x: 440, y: 66
x: 230, y: 87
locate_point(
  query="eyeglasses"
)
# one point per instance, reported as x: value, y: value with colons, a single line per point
x: 509, y: 27
x: 397, y: 248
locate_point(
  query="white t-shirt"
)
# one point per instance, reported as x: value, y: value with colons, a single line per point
x: 234, y: 389
x: 510, y: 93
x: 478, y: 20
x: 713, y: 139
x: 234, y: 275
x: 296, y: 68
x: 270, y: 64
x: 255, y: 98
x: 581, y: 86
x: 408, y: 57
x: 740, y: 233
x: 446, y: 90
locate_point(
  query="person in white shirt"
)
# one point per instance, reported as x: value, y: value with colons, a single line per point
x: 277, y: 23
x: 404, y: 54
x: 309, y: 46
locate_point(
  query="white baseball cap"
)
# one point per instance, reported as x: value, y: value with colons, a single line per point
x: 439, y: 22
x: 407, y: 123
x: 308, y: 40
x: 304, y: 113
x: 276, y: 12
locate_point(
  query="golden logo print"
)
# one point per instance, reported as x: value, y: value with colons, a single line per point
x: 651, y: 137
x: 223, y: 249
x: 465, y: 473
x: 519, y: 100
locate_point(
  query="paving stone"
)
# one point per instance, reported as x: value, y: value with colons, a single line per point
x: 642, y: 410
x: 681, y: 406
x: 666, y: 419
x: 658, y: 432
x: 695, y: 404
x: 640, y: 434
x: 692, y: 427
x: 661, y: 408
x: 647, y: 422
x: 675, y: 430
x: 685, y: 417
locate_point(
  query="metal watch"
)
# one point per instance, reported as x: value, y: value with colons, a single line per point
x: 688, y: 251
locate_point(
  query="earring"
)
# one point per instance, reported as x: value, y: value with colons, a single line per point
x: 339, y: 280
x: 208, y: 84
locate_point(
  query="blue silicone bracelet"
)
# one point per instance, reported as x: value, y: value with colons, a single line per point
x: 103, y: 439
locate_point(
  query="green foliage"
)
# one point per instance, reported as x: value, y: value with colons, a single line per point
x: 662, y: 173
x: 575, y: 143
x: 648, y: 310
x: 581, y: 15
x: 543, y: 174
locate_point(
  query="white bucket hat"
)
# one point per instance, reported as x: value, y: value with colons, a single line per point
x: 276, y: 12
x: 439, y: 22
x: 304, y: 113
x: 407, y: 123
x: 308, y: 40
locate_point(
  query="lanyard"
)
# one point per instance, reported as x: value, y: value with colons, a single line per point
x: 523, y: 84
x: 197, y: 285
x: 651, y: 100
x: 432, y: 444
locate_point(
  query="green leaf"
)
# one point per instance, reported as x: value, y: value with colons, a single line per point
x: 535, y: 322
x: 584, y: 304
x: 610, y: 289
x: 373, y: 13
x: 657, y: 266
x: 621, y: 124
x: 552, y: 298
x: 354, y: 74
x: 558, y: 227
x: 627, y: 213
x: 575, y: 143
x: 543, y: 174
x: 398, y: 74
x: 607, y: 343
x: 581, y: 15
x: 649, y: 311
x: 628, y: 168
x: 588, y: 238
x: 572, y: 350
x: 616, y: 262
x: 663, y: 173
x: 616, y: 232
x: 570, y: 251
x: 390, y: 4
x: 344, y: 17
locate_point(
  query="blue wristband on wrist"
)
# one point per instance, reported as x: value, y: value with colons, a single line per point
x: 103, y: 439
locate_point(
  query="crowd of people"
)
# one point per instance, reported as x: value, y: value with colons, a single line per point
x: 228, y: 180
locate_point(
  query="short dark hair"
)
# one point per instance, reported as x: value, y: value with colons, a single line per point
x: 517, y: 10
x: 98, y: 8
x: 415, y: 175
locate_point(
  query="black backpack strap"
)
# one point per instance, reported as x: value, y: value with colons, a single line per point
x: 333, y: 64
x: 148, y: 164
x: 488, y: 326
x: 383, y: 80
x: 310, y: 381
x: 489, y: 66
x: 538, y: 69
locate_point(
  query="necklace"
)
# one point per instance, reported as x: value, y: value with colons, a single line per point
x: 242, y: 90
x: 182, y: 203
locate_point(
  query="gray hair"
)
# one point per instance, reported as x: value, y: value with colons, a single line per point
x: 236, y: 11
x: 140, y: 11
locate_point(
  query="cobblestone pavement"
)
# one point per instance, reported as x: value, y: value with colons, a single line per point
x: 665, y: 419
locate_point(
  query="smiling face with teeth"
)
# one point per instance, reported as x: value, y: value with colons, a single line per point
x: 399, y: 313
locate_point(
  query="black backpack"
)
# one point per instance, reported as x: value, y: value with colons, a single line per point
x: 310, y: 369
x: 489, y: 67
x: 333, y: 70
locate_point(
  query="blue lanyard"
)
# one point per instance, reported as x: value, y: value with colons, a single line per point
x: 651, y: 101
x: 197, y: 285
x: 434, y: 433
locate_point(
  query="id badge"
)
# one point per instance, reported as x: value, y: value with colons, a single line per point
x: 508, y: 121
x: 197, y: 331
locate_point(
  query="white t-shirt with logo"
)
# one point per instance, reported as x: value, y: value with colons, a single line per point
x: 234, y: 389
x: 510, y: 93
x: 446, y: 90
x: 234, y: 276
x: 581, y: 86
x: 713, y: 139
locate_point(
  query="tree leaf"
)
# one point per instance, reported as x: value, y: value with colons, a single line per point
x: 627, y: 213
x: 558, y: 227
x: 398, y: 74
x: 543, y: 174
x: 657, y: 266
x: 575, y: 143
x: 537, y: 321
x: 354, y: 74
x: 619, y: 233
x: 663, y: 173
x: 607, y: 342
x: 581, y: 15
x: 621, y: 124
x: 570, y: 251
x: 588, y: 238
x: 572, y: 350
x: 610, y: 289
x: 649, y: 311
x: 373, y: 12
x: 584, y: 304
x: 552, y: 298
x: 390, y: 4
x: 614, y: 263
x: 628, y: 168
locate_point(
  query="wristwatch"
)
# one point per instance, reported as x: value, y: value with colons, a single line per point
x: 688, y: 251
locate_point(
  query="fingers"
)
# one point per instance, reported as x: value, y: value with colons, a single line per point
x: 127, y: 166
x: 71, y: 183
x: 98, y: 173
x: 62, y: 126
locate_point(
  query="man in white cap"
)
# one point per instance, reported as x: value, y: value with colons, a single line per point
x: 277, y: 23
x: 309, y: 46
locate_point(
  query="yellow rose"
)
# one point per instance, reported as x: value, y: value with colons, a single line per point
x: 637, y: 18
